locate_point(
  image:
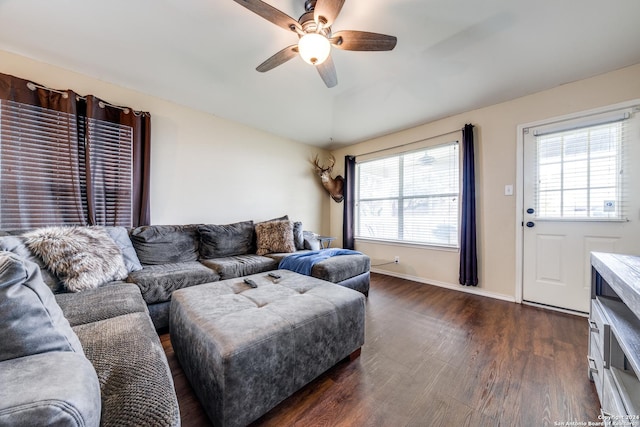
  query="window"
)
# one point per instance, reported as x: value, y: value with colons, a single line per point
x: 45, y: 157
x: 111, y: 167
x: 579, y: 172
x: 410, y: 197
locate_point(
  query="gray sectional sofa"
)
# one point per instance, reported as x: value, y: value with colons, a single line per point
x: 178, y: 256
x: 81, y: 358
x: 163, y: 258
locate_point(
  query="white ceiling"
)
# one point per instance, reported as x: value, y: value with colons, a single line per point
x: 452, y: 56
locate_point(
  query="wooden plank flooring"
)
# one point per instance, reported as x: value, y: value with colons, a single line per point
x: 437, y: 357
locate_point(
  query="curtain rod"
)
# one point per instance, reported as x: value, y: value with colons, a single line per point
x: 32, y: 86
x: 411, y: 143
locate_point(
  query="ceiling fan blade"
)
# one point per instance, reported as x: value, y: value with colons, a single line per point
x: 279, y: 58
x: 326, y: 11
x: 362, y: 40
x: 271, y: 14
x: 328, y: 72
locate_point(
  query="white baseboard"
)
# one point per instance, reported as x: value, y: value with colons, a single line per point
x: 468, y: 289
x: 561, y: 310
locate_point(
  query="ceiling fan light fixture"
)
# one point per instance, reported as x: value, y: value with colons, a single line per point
x: 314, y: 48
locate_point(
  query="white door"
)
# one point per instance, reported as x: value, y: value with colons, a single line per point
x: 581, y: 192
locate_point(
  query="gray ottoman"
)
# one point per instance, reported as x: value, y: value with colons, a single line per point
x: 244, y: 350
x: 351, y: 271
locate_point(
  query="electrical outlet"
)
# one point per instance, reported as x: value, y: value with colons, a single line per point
x: 396, y: 259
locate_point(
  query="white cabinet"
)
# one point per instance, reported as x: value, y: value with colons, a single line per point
x: 614, y: 337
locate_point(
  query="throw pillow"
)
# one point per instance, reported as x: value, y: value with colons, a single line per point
x: 310, y: 241
x: 275, y: 237
x: 298, y: 235
x: 82, y: 257
x: 16, y: 245
x: 120, y: 235
x: 165, y: 244
x: 219, y: 241
x: 31, y: 321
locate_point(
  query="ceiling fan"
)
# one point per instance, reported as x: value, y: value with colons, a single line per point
x: 315, y: 36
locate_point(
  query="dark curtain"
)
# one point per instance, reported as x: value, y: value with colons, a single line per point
x: 468, y: 248
x: 80, y: 110
x: 141, y: 123
x: 348, y: 239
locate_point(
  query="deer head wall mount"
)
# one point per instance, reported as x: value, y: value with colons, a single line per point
x: 332, y: 185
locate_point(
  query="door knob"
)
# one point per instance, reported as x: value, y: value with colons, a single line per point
x: 530, y: 210
x: 530, y: 224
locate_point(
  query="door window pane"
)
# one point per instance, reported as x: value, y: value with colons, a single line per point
x: 578, y: 173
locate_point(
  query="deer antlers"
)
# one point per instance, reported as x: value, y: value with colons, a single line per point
x: 321, y: 169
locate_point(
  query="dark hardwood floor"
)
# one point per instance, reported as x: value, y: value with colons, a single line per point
x: 437, y: 357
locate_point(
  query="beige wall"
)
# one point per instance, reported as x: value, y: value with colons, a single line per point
x: 205, y: 169
x: 496, y: 142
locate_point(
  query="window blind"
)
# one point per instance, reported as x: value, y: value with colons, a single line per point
x: 410, y: 197
x: 59, y: 169
x: 110, y: 148
x: 580, y: 172
x: 39, y: 167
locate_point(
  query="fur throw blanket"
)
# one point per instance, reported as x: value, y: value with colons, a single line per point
x: 82, y: 257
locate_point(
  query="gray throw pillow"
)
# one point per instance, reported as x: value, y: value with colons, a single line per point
x: 219, y: 241
x: 82, y: 257
x: 298, y: 235
x: 16, y: 245
x: 31, y: 321
x: 310, y: 241
x: 120, y: 235
x: 165, y: 244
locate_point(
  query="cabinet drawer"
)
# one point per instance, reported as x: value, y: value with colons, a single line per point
x: 610, y: 399
x: 596, y: 369
x: 599, y: 331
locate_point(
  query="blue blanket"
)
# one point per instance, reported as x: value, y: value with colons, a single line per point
x: 304, y: 262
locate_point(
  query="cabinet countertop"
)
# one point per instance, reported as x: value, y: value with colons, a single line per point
x: 622, y: 273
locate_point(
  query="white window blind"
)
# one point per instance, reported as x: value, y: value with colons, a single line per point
x: 39, y: 175
x: 580, y: 172
x: 43, y: 171
x: 410, y: 197
x: 111, y: 155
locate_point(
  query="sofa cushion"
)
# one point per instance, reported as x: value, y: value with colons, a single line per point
x: 274, y: 236
x: 134, y: 376
x: 16, y: 245
x: 120, y: 235
x: 156, y: 282
x: 279, y: 256
x: 218, y: 241
x: 31, y: 321
x: 240, y: 265
x: 114, y: 299
x: 159, y: 313
x: 165, y: 244
x: 82, y: 257
x: 58, y: 388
